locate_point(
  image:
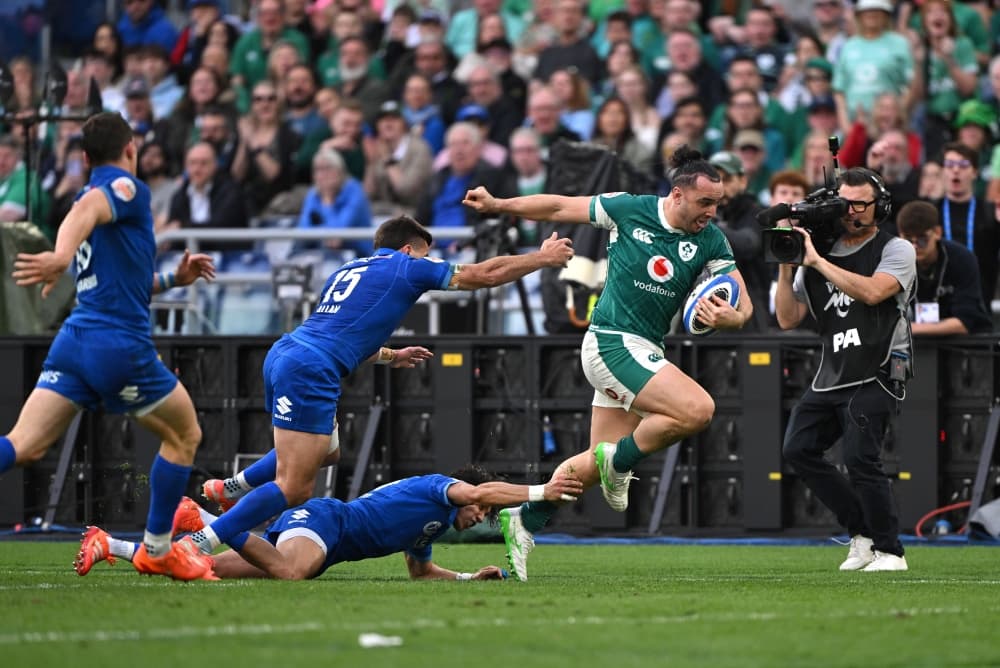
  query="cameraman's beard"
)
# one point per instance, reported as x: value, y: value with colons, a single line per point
x: 895, y: 172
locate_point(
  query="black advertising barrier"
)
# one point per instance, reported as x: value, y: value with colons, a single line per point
x: 519, y: 406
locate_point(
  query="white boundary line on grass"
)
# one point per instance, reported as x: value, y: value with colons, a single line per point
x: 191, y: 632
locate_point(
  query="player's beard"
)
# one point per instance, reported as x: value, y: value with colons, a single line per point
x: 352, y: 74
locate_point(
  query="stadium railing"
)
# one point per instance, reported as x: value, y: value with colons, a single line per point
x: 189, y: 310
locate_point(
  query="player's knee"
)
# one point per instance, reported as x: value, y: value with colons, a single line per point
x: 288, y: 572
x: 699, y: 414
x: 188, y: 439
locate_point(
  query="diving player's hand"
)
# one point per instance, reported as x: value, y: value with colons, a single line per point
x: 557, y: 251
x: 563, y: 487
x: 488, y: 573
x: 193, y: 267
x: 34, y: 268
x: 480, y: 200
x: 407, y: 358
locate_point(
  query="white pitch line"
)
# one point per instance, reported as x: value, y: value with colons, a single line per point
x: 191, y: 632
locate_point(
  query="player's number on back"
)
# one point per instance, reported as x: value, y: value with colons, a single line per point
x: 346, y: 280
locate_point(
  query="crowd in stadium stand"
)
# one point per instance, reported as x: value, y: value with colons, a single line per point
x: 338, y: 111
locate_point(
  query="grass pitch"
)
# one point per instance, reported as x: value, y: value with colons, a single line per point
x: 582, y: 606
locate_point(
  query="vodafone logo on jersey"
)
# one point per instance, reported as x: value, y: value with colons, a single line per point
x: 660, y: 269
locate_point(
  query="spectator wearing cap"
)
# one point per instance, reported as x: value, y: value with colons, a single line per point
x: 491, y: 152
x: 164, y: 91
x: 485, y: 90
x: 248, y: 64
x: 874, y: 61
x: 745, y: 113
x: 398, y: 164
x: 965, y: 218
x: 138, y: 106
x: 441, y: 205
x: 735, y: 216
x: 888, y: 158
x: 571, y: 48
x: 186, y: 54
x: 336, y: 201
x: 421, y: 113
x: 751, y: 147
x: 949, y: 299
x: 464, y: 26
x: 144, y: 23
x: 975, y: 126
x: 207, y: 197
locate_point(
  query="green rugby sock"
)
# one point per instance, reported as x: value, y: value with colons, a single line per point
x: 536, y: 514
x: 627, y: 455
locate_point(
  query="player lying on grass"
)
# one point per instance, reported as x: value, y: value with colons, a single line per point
x: 403, y: 516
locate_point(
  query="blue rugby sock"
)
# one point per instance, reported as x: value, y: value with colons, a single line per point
x: 263, y: 470
x: 7, y: 455
x: 167, y: 484
x: 240, y: 540
x: 258, y: 506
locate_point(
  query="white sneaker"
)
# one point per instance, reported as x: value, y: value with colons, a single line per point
x: 518, y: 540
x: 886, y: 561
x: 614, y: 484
x: 860, y: 555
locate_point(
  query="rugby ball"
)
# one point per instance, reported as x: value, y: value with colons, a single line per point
x: 721, y: 286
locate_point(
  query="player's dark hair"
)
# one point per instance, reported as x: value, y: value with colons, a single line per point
x: 477, y: 475
x: 687, y: 164
x: 399, y: 231
x: 916, y: 218
x: 105, y: 136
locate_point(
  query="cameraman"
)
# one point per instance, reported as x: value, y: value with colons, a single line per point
x: 858, y: 293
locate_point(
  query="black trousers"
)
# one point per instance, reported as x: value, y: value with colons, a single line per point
x: 862, y: 501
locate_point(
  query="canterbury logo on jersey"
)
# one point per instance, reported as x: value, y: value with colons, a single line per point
x: 642, y: 236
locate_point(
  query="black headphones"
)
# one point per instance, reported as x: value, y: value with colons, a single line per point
x: 883, y: 199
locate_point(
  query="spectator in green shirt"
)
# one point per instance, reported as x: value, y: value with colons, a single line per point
x: 248, y: 63
x: 12, y: 186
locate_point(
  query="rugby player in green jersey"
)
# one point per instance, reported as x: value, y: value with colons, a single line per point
x: 659, y: 246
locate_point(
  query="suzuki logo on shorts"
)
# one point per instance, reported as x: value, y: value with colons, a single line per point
x: 130, y: 394
x: 643, y: 236
x: 284, y: 405
x: 660, y: 269
x: 299, y: 516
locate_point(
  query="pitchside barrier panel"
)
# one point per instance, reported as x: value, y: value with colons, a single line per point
x: 518, y: 406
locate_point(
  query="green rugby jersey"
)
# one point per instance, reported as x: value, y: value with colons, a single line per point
x: 651, y: 266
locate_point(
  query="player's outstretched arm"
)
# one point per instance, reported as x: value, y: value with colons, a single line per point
x: 428, y: 570
x: 189, y: 269
x: 402, y: 358
x: 561, y: 487
x: 555, y: 208
x: 554, y: 252
x: 46, y: 268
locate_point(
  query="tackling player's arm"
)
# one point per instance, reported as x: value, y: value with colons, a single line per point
x: 428, y: 570
x: 561, y: 487
x: 88, y: 212
x: 554, y: 252
x: 554, y: 208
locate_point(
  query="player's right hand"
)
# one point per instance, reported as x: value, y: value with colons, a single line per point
x: 480, y: 200
x: 33, y: 268
x: 558, y: 251
x: 563, y: 487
